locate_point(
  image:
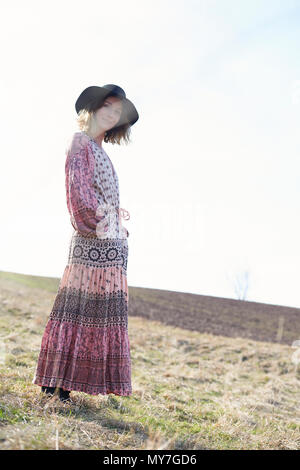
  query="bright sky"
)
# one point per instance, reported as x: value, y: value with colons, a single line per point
x: 211, y: 178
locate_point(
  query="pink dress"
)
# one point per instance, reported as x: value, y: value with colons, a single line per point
x: 85, y: 345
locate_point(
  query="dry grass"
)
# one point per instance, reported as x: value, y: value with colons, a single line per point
x: 191, y: 390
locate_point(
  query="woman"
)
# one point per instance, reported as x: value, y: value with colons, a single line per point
x: 85, y: 346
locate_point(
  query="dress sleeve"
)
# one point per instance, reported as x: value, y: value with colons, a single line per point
x: 81, y: 200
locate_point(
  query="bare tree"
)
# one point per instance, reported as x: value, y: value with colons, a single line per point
x: 241, y: 284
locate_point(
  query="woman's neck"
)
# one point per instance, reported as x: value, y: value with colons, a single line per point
x: 97, y: 138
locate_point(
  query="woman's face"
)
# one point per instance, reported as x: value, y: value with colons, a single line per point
x: 109, y: 114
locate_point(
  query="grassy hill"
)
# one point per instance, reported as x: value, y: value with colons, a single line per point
x: 207, y: 373
x: 217, y: 315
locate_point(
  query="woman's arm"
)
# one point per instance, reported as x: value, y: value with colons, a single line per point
x: 81, y: 200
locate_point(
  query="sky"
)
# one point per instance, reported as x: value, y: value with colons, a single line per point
x: 211, y: 176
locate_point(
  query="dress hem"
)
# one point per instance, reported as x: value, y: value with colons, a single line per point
x: 90, y: 390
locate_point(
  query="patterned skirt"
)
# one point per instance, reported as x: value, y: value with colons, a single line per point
x: 85, y: 345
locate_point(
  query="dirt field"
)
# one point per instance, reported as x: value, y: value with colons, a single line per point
x: 217, y: 315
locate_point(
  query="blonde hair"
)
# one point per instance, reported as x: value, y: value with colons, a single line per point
x: 114, y: 136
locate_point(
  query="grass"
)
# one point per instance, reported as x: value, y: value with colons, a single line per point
x: 191, y: 390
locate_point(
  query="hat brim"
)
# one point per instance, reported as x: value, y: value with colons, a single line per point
x: 129, y: 114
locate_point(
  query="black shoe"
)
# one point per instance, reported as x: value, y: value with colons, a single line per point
x: 49, y: 390
x: 64, y: 395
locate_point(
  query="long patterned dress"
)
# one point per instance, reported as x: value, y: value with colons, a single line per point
x: 85, y: 345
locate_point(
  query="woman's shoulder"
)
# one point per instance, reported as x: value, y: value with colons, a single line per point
x: 77, y: 142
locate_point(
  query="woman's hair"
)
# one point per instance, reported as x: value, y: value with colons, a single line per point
x: 115, y: 135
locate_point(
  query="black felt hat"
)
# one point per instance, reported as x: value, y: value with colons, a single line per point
x: 92, y: 93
